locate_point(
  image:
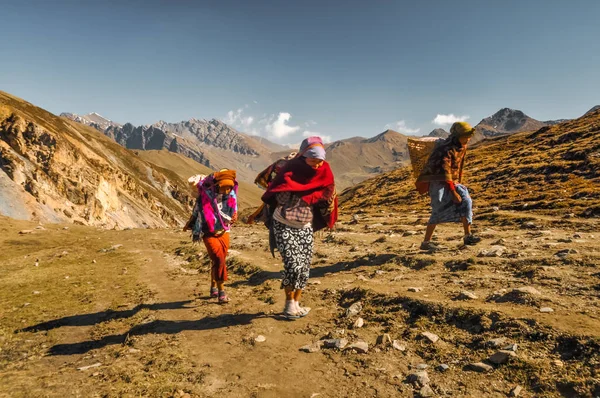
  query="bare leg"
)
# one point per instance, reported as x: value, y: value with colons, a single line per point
x: 297, y: 295
x: 429, y: 232
x: 289, y: 293
x: 213, y: 282
x: 220, y: 285
x: 466, y: 226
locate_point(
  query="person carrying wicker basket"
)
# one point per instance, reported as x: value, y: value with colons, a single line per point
x: 442, y: 179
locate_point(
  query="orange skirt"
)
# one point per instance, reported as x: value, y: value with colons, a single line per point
x: 217, y: 247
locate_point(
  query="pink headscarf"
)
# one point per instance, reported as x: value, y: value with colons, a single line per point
x: 312, y: 148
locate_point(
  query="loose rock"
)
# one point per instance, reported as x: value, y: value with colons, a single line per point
x: 354, y: 309
x: 501, y: 357
x: 384, y: 339
x: 418, y: 379
x: 335, y: 343
x: 260, y: 338
x: 358, y: 323
x: 359, y: 346
x: 426, y: 392
x: 443, y: 367
x: 466, y: 295
x: 415, y: 289
x: 90, y: 366
x: 516, y: 391
x: 480, y: 367
x: 495, y: 343
x: 432, y: 338
x: 311, y: 348
x: 397, y: 345
x: 511, y: 347
x: 546, y: 309
x: 494, y: 251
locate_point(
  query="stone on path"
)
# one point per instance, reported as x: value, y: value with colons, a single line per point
x: 340, y: 344
x: 260, y: 338
x: 314, y: 347
x: 527, y: 289
x: 426, y: 392
x: 546, y: 309
x: 90, y: 366
x: 495, y: 343
x: 516, y: 391
x: 494, y: 251
x: 26, y: 232
x: 354, y: 309
x: 359, y: 346
x: 384, y: 339
x: 443, y: 367
x: 420, y: 378
x: 501, y: 357
x: 359, y: 323
x: 466, y: 295
x: 480, y: 367
x: 415, y: 289
x: 511, y: 347
x: 432, y: 338
x: 397, y: 345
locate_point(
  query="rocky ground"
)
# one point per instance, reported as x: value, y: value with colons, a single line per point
x: 89, y: 312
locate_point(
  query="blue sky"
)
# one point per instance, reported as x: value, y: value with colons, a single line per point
x: 282, y: 69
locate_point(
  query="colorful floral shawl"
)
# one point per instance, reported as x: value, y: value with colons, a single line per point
x: 206, y: 211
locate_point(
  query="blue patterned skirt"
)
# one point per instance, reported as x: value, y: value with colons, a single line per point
x: 443, y: 209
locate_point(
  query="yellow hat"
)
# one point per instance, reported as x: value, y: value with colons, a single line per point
x: 462, y: 129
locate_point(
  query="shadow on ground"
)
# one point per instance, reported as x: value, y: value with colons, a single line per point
x: 103, y: 316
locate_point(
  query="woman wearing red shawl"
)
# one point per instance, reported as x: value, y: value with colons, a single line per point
x: 301, y: 200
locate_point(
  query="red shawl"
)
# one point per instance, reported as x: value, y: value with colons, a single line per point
x: 316, y: 187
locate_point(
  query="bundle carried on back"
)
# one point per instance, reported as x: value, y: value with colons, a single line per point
x: 263, y: 179
x: 419, y: 150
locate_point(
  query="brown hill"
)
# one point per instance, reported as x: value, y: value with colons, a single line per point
x: 183, y: 167
x: 356, y: 159
x: 555, y: 169
x: 507, y: 121
x: 53, y: 169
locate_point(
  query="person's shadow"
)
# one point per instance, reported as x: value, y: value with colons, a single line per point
x: 157, y: 327
x: 103, y: 316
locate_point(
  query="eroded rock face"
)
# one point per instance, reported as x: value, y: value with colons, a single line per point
x: 71, y: 175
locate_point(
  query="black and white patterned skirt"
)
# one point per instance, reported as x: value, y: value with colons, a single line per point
x: 296, y: 247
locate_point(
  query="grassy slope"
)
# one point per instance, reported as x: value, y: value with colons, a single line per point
x: 555, y: 169
x: 173, y: 164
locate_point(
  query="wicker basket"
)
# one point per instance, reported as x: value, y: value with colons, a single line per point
x: 419, y: 150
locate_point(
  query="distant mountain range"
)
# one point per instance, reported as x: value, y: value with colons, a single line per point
x: 217, y: 145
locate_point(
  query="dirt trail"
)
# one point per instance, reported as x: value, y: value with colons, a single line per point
x: 146, y: 320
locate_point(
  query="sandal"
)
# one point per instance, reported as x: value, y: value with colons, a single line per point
x: 223, y: 298
x: 291, y: 315
x: 214, y: 292
x: 303, y: 311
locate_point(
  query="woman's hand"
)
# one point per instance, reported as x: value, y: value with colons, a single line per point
x: 456, y: 197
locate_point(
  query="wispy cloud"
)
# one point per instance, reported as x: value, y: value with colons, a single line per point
x: 446, y: 120
x: 401, y: 127
x: 279, y: 127
x: 238, y: 120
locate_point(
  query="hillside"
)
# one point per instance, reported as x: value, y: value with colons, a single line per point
x: 209, y: 142
x: 54, y: 170
x: 507, y: 121
x: 169, y: 162
x: 357, y: 159
x: 555, y: 169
